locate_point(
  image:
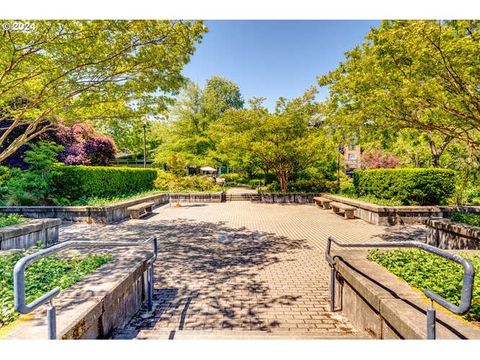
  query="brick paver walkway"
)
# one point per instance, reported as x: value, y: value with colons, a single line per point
x: 248, y: 269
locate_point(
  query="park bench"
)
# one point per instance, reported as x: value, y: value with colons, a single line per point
x: 339, y: 208
x: 139, y: 210
x: 323, y: 202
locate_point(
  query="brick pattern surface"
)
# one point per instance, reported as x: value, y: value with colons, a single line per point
x: 241, y: 267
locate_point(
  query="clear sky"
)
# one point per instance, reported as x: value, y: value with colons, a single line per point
x: 272, y: 58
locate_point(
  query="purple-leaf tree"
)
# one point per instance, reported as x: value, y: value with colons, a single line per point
x: 375, y: 159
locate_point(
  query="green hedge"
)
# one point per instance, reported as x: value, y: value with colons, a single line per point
x: 409, y: 186
x: 77, y: 182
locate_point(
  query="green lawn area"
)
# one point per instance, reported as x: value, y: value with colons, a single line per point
x: 372, y: 199
x: 42, y: 276
x: 11, y: 219
x: 427, y: 271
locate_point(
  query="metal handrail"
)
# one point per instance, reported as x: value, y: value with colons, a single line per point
x: 467, y: 283
x: 19, y: 277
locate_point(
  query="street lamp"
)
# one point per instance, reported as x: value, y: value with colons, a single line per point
x: 144, y: 124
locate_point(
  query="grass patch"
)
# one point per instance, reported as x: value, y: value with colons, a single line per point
x: 372, y: 199
x: 11, y: 219
x: 466, y: 218
x: 427, y: 271
x: 41, y: 277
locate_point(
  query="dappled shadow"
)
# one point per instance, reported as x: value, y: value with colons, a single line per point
x: 404, y: 233
x: 206, y: 274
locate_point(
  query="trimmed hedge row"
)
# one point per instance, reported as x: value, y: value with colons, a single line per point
x: 409, y: 186
x: 77, y: 182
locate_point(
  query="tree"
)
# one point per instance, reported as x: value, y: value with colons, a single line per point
x: 285, y: 142
x: 375, y: 159
x: 87, y: 70
x: 191, y: 117
x: 420, y: 75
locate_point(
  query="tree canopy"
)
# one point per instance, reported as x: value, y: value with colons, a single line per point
x: 84, y: 70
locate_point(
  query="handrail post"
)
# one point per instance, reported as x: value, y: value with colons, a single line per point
x: 52, y: 322
x: 431, y: 319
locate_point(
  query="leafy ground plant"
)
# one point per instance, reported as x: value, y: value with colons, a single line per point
x: 372, y: 199
x: 427, y: 271
x: 42, y: 276
x: 466, y: 218
x: 11, y: 219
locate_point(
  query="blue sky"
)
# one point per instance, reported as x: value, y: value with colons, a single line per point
x: 274, y: 58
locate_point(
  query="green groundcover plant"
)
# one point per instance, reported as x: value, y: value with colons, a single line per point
x: 466, y: 218
x: 42, y: 276
x: 11, y: 219
x: 427, y: 271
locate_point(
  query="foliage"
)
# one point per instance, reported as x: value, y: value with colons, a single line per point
x: 35, y: 186
x: 305, y: 186
x: 411, y: 74
x: 90, y: 70
x: 375, y: 159
x: 11, y: 219
x: 177, y: 165
x: 371, y: 199
x: 169, y: 182
x: 285, y: 143
x: 97, y: 201
x: 230, y: 178
x: 466, y: 218
x: 191, y: 117
x: 427, y: 271
x: 83, y: 145
x: 42, y: 276
x: 76, y: 182
x: 409, y: 186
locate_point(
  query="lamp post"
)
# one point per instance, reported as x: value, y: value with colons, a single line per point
x: 144, y: 124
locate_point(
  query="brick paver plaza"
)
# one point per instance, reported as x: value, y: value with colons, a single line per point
x: 240, y: 269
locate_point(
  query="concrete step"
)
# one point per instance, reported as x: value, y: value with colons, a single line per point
x: 166, y: 334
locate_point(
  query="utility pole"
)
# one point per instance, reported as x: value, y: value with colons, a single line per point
x: 144, y: 124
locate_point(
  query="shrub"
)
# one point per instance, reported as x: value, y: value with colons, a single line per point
x: 168, y: 182
x: 305, y: 186
x: 103, y: 182
x: 409, y: 186
x: 255, y: 183
x: 11, y: 219
x: 232, y: 177
x: 466, y: 218
x: 376, y: 159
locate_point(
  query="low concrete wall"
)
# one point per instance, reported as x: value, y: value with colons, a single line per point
x: 213, y: 197
x: 445, y: 234
x: 91, y: 309
x: 23, y: 236
x: 90, y: 214
x: 395, y: 215
x: 288, y: 198
x: 382, y: 305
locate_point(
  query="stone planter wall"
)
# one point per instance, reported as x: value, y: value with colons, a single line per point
x: 97, y: 305
x: 398, y: 215
x: 289, y: 198
x: 386, y: 307
x: 23, y: 236
x: 445, y: 234
x: 213, y: 197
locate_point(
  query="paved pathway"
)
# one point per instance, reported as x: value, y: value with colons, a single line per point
x: 240, y: 269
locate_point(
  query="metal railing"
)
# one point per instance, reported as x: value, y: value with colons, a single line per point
x: 467, y: 283
x: 19, y: 277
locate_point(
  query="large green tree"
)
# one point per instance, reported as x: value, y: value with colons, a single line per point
x: 191, y: 117
x: 420, y: 75
x: 89, y: 70
x: 285, y: 142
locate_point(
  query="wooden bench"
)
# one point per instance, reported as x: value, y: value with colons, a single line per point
x: 139, y: 210
x: 323, y: 202
x: 347, y: 210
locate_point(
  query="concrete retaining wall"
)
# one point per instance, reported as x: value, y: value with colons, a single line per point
x: 289, y: 198
x: 395, y: 215
x: 445, y: 234
x: 90, y: 214
x: 196, y: 197
x: 385, y: 307
x: 91, y: 309
x: 23, y: 236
